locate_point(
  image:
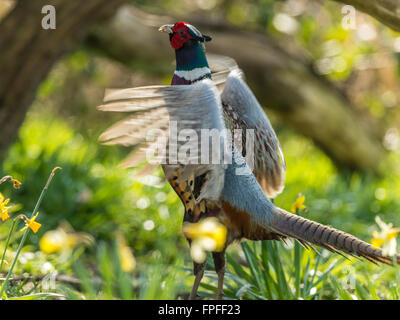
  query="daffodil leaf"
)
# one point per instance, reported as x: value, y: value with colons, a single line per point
x: 37, y: 296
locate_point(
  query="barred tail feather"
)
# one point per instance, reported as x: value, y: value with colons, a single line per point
x: 309, y: 232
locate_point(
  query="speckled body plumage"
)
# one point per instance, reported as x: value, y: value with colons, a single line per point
x: 240, y: 193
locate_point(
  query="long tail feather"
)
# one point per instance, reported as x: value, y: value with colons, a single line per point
x: 304, y: 230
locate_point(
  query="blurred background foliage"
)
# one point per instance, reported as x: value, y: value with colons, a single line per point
x: 96, y: 197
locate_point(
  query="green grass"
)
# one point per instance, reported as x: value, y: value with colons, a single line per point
x: 98, y: 198
x: 268, y: 270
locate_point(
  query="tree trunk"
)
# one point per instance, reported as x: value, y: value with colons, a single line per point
x: 27, y: 52
x: 282, y: 81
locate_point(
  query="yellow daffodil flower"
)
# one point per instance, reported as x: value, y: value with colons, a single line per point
x: 3, y: 209
x: 16, y: 183
x: 62, y: 239
x: 207, y: 235
x: 385, y: 238
x: 32, y: 224
x: 127, y: 260
x: 299, y: 203
x: 57, y: 240
x: 376, y: 240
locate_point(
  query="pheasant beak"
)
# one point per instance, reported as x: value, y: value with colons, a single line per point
x: 166, y: 28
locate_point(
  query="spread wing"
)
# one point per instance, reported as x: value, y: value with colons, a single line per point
x: 221, y: 66
x: 171, y: 113
x: 243, y: 111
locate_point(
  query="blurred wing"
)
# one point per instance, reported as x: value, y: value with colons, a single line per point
x: 171, y: 113
x: 150, y: 103
x: 243, y: 111
x: 221, y: 67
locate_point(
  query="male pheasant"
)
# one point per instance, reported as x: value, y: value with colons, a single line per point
x: 231, y: 192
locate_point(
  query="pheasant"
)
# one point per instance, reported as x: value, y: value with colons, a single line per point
x: 238, y: 193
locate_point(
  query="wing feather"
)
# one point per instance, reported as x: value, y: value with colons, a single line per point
x: 188, y: 107
x: 243, y: 111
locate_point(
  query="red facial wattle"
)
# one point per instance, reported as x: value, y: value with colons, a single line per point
x: 180, y: 36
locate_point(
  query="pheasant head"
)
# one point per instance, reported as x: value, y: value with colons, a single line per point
x: 190, y: 52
